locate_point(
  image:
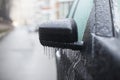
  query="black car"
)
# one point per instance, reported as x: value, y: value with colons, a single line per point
x: 87, y: 42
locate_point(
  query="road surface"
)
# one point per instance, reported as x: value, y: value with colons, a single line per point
x: 23, y: 58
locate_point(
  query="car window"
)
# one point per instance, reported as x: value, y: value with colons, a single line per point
x: 81, y: 15
x: 116, y: 11
x: 118, y: 1
x: 73, y: 8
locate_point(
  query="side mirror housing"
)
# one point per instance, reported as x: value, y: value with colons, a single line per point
x: 59, y: 33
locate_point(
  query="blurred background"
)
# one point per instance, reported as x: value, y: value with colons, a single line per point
x: 21, y: 55
x: 33, y: 11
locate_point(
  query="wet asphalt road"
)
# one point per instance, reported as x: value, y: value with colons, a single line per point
x: 22, y: 57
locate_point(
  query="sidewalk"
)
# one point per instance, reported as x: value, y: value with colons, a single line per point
x: 5, y: 28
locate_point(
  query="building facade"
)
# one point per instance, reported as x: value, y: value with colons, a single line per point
x: 55, y: 9
x: 4, y: 10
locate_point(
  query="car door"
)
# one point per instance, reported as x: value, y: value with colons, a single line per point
x: 69, y: 57
x: 97, y: 28
x: 87, y: 43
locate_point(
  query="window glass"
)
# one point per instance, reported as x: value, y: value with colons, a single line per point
x: 80, y: 11
x: 118, y: 1
x: 116, y: 5
x: 73, y: 9
x: 81, y: 16
x: 64, y: 8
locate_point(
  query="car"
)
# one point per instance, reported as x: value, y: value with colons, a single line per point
x: 87, y: 42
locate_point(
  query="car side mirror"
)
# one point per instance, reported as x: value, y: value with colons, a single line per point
x: 59, y: 33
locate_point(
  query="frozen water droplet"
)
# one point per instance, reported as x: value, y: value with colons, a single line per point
x: 49, y: 54
x: 49, y: 51
x: 44, y: 49
x: 52, y: 52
